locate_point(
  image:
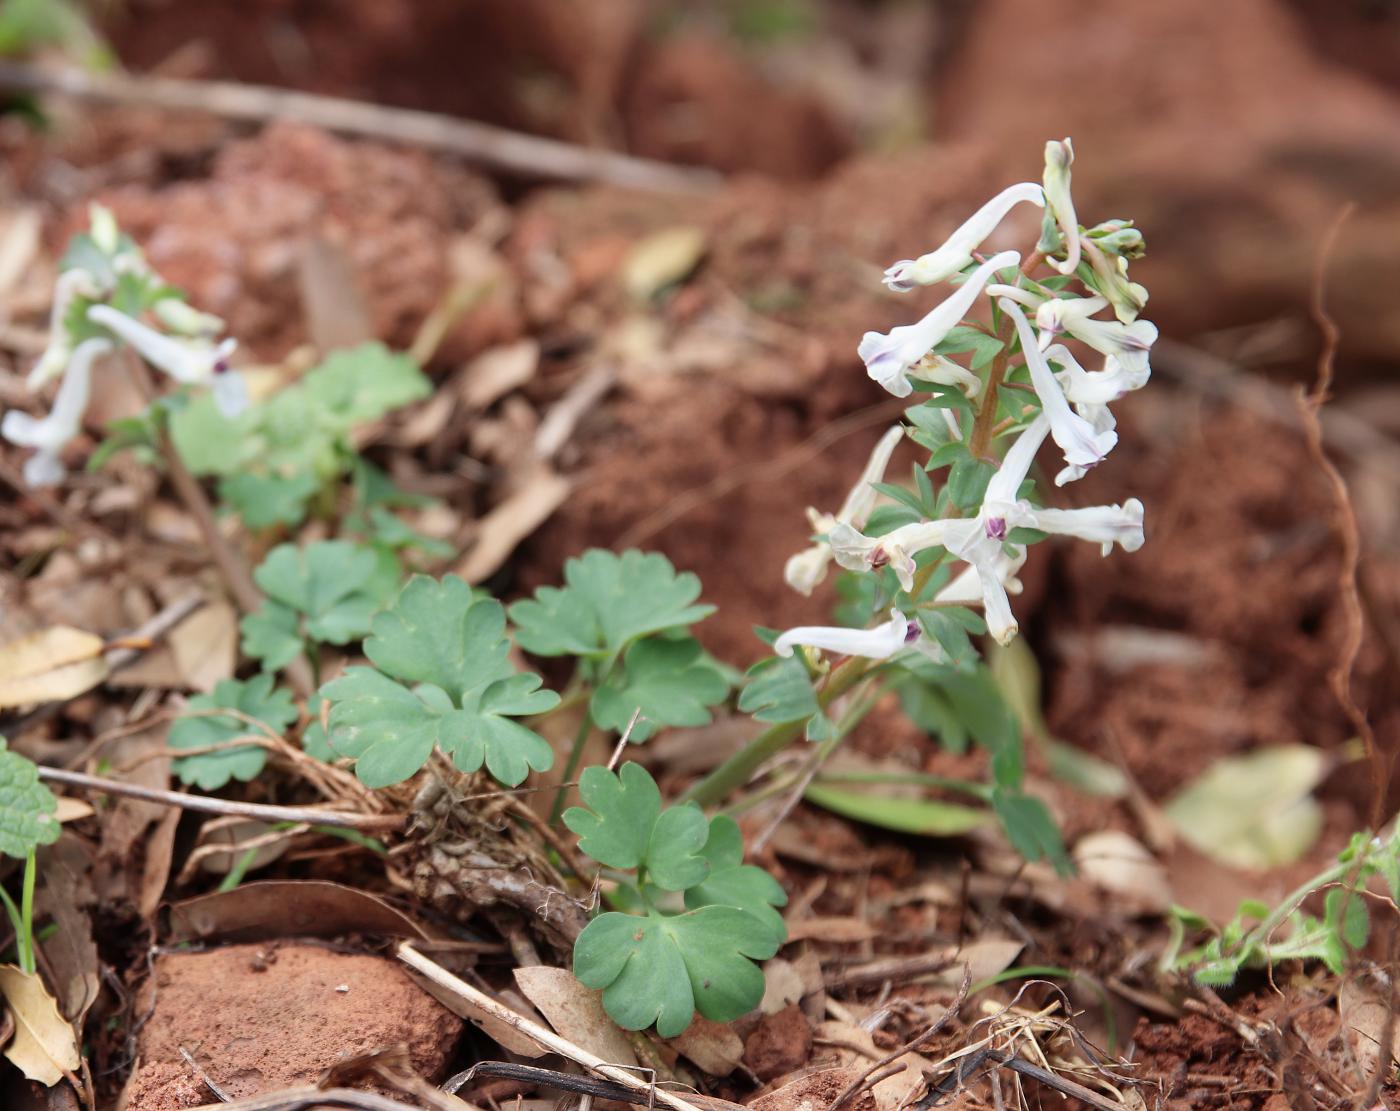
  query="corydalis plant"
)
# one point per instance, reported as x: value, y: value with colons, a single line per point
x: 107, y: 295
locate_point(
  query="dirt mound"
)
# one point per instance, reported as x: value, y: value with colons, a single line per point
x: 258, y: 1018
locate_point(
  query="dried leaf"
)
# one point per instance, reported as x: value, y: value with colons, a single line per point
x: 575, y: 1012
x: 662, y: 259
x: 65, y: 896
x: 1365, y: 1013
x: 53, y: 664
x: 205, y: 646
x: 70, y: 810
x: 44, y: 1046
x: 1119, y: 863
x: 336, y: 314
x: 287, y: 908
x: 1254, y: 811
x: 835, y: 929
x: 713, y: 1046
x: 782, y: 986
x: 495, y: 373
x: 985, y: 958
x: 512, y: 521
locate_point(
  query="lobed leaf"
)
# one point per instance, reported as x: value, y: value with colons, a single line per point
x: 667, y: 681
x: 255, y: 699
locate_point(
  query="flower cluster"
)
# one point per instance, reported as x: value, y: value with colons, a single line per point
x: 1033, y: 388
x: 104, y: 290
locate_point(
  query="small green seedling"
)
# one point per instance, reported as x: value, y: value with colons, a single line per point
x: 441, y: 679
x: 257, y: 710
x: 696, y: 916
x: 27, y: 820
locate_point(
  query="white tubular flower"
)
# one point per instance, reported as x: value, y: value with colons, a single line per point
x: 1104, y: 525
x: 855, y: 551
x: 71, y: 284
x: 1059, y: 157
x: 965, y: 588
x: 879, y: 643
x: 808, y: 567
x: 195, y: 362
x: 1083, y: 445
x: 941, y: 369
x: 1129, y: 344
x: 102, y: 227
x: 1090, y: 392
x: 889, y: 357
x: 956, y: 252
x: 51, y: 434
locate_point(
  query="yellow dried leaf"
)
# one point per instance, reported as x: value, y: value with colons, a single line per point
x: 44, y: 1046
x: 55, y: 663
x: 662, y: 259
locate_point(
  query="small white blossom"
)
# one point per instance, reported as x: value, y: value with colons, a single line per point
x: 1083, y: 445
x: 889, y: 357
x: 102, y: 227
x: 71, y: 285
x: 879, y: 643
x: 808, y: 567
x: 956, y: 252
x: 1091, y: 391
x: 941, y: 369
x: 1129, y: 344
x: 855, y: 551
x: 191, y: 361
x: 51, y: 434
x: 965, y: 588
x: 1059, y: 157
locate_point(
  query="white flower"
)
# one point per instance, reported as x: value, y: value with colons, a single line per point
x: 889, y: 357
x: 981, y: 540
x: 71, y: 285
x: 1083, y: 445
x: 1129, y: 344
x: 941, y: 369
x: 879, y: 643
x: 191, y: 361
x: 1090, y: 392
x: 855, y: 551
x: 808, y: 567
x: 1059, y: 157
x: 965, y: 588
x: 51, y: 434
x: 956, y: 252
x: 102, y: 227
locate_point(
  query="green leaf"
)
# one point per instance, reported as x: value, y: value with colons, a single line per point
x: 361, y: 384
x: 779, y: 689
x: 625, y: 827
x: 272, y: 635
x: 1031, y: 829
x: 924, y: 817
x: 451, y: 641
x: 210, y: 443
x: 609, y: 601
x: 732, y: 883
x: 314, y: 739
x: 661, y: 969
x: 264, y: 500
x: 667, y: 681
x: 27, y: 807
x: 254, y: 698
x: 327, y: 591
x: 1346, y: 914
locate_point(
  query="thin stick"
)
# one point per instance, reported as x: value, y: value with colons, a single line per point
x: 533, y: 1030
x: 303, y: 1099
x: 208, y: 805
x: 224, y: 1097
x: 566, y: 1082
x: 494, y: 147
x: 868, y: 1076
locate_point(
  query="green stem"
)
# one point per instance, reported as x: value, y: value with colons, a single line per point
x: 735, y: 771
x: 585, y: 727
x: 24, y: 943
x: 1259, y: 936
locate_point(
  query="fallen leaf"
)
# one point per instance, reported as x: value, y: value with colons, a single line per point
x: 331, y: 297
x: 892, y: 1091
x: 662, y: 259
x: 837, y: 929
x: 44, y: 1046
x: 575, y: 1012
x: 51, y: 665
x: 499, y: 1031
x: 986, y: 958
x: 1254, y: 811
x: 66, y: 897
x: 234, y: 834
x: 205, y: 646
x: 495, y: 373
x: 1365, y: 1015
x: 287, y: 908
x: 512, y: 521
x: 782, y: 986
x: 70, y: 810
x: 1119, y: 863
x: 713, y: 1046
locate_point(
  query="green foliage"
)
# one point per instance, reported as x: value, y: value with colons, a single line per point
x: 667, y: 680
x: 449, y: 642
x: 663, y: 964
x: 274, y: 458
x: 325, y: 593
x: 257, y: 704
x: 608, y: 601
x: 1261, y: 937
x: 27, y: 807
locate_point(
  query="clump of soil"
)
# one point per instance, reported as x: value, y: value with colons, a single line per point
x: 259, y: 1018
